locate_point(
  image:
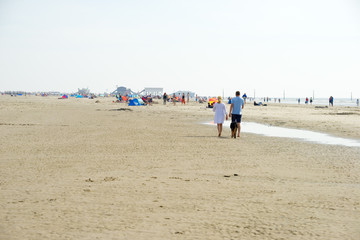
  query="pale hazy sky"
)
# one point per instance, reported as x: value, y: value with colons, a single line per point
x: 204, y: 46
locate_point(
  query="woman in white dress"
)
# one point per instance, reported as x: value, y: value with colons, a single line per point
x: 220, y: 114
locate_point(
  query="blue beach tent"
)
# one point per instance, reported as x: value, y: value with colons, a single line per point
x: 141, y: 102
x: 131, y: 103
x: 134, y: 102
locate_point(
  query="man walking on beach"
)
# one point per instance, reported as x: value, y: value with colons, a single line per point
x: 165, y: 98
x: 237, y: 104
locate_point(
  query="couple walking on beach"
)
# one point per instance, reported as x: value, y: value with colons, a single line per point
x: 237, y: 104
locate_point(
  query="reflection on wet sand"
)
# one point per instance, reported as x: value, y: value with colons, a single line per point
x: 305, y: 135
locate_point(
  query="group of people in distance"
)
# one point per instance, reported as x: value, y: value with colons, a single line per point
x: 174, y: 99
x: 331, y: 100
x: 235, y: 113
x: 306, y: 100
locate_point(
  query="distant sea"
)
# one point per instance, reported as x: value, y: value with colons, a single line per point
x: 317, y: 101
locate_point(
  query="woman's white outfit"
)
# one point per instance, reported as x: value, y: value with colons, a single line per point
x: 220, y: 112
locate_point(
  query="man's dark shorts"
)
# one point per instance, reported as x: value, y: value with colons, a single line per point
x: 236, y: 118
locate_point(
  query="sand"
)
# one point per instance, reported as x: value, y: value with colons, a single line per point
x: 77, y: 169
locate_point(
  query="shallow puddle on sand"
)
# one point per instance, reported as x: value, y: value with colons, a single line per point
x: 304, y: 135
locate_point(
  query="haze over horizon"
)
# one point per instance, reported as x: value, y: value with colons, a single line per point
x: 203, y: 46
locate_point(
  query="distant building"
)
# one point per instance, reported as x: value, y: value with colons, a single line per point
x: 123, y: 91
x: 83, y: 91
x: 152, y: 91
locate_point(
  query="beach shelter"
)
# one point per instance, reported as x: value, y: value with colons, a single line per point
x: 64, y: 96
x: 137, y: 101
x: 134, y: 102
x: 124, y: 98
x: 212, y: 101
x: 141, y: 102
x: 79, y: 96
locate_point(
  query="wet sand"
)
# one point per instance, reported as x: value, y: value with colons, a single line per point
x: 77, y: 169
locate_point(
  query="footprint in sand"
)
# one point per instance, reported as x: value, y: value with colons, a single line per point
x: 109, y: 179
x: 89, y: 180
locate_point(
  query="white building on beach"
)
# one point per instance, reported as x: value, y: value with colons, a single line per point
x: 152, y: 91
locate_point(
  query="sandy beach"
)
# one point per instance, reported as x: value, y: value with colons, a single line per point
x: 94, y: 169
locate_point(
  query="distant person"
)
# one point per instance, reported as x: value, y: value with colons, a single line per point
x: 183, y: 98
x: 306, y: 101
x: 298, y: 100
x: 174, y: 99
x: 244, y: 97
x: 357, y: 102
x: 165, y: 98
x: 237, y: 104
x: 149, y: 99
x: 331, y: 101
x: 220, y: 115
x: 188, y: 97
x: 311, y: 100
x: 196, y: 98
